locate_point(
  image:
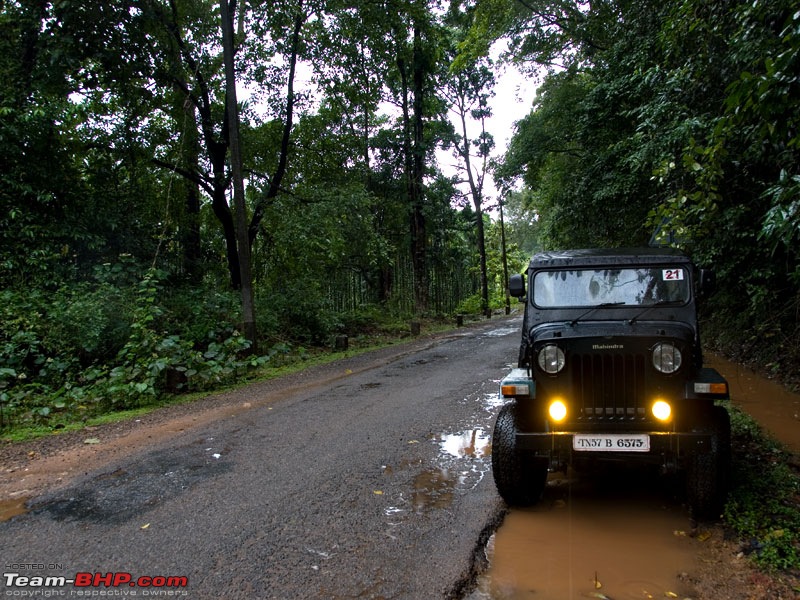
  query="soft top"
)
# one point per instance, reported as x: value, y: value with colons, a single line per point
x: 608, y: 257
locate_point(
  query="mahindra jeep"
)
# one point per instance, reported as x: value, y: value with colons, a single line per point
x: 610, y: 368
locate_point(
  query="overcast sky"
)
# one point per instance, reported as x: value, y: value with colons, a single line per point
x: 514, y: 95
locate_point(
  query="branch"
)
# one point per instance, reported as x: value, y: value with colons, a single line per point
x: 275, y: 180
x: 190, y: 175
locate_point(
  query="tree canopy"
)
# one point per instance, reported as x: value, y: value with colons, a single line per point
x: 121, y: 252
x: 674, y: 123
x: 119, y: 255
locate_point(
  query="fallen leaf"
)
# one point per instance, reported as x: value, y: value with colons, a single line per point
x: 413, y: 441
x: 91, y: 441
x: 378, y: 492
x: 348, y: 371
x: 145, y: 526
x: 670, y: 594
x: 703, y: 535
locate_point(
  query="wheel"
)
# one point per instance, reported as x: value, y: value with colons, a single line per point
x: 518, y: 475
x: 708, y: 474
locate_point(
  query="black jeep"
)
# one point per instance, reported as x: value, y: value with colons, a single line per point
x: 610, y: 368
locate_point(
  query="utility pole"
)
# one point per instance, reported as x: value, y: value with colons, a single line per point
x: 242, y: 237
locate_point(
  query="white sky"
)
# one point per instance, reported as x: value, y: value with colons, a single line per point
x: 513, y: 99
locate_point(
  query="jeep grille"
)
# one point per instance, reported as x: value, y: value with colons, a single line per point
x: 609, y: 386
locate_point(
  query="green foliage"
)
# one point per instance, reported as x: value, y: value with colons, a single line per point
x: 763, y: 506
x: 87, y: 349
x: 470, y: 306
x: 681, y: 124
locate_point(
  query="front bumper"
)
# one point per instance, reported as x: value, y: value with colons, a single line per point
x: 666, y: 448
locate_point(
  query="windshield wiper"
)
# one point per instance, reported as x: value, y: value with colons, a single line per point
x: 594, y: 308
x: 652, y: 306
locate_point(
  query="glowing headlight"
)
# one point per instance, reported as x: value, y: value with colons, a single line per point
x: 551, y: 359
x: 666, y: 358
x: 661, y: 410
x: 557, y: 410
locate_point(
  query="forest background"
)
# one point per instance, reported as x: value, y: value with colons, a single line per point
x: 127, y: 269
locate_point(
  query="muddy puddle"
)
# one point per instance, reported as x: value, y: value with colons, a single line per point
x: 775, y: 408
x: 619, y: 535
x: 604, y: 536
x: 12, y: 508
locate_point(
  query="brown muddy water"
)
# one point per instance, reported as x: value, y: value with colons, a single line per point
x: 774, y: 407
x: 620, y: 534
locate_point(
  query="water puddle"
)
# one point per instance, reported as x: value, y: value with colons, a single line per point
x: 433, y: 489
x: 775, y: 408
x: 461, y: 465
x: 502, y: 331
x: 12, y: 508
x: 591, y: 539
x: 475, y: 443
x: 462, y: 461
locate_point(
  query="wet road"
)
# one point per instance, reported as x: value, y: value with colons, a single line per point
x: 364, y: 479
x: 369, y: 482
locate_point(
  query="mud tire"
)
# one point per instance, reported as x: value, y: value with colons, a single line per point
x: 708, y: 474
x: 518, y: 475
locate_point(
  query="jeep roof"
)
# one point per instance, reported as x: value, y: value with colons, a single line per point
x: 608, y: 256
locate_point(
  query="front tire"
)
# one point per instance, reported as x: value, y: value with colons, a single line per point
x: 708, y: 474
x: 519, y: 475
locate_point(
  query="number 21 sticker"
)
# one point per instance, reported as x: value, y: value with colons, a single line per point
x: 672, y: 274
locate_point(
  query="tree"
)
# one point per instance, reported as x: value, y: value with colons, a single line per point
x: 467, y: 92
x: 242, y: 237
x: 69, y: 175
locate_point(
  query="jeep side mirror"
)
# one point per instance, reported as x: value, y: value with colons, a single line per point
x: 708, y: 282
x: 516, y: 286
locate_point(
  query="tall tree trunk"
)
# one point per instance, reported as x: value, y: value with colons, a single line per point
x: 415, y: 180
x: 476, y: 191
x: 242, y: 237
x: 219, y: 204
x: 191, y: 236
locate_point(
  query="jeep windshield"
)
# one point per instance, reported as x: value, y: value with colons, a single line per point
x: 578, y: 288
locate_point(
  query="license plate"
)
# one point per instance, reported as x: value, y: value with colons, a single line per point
x: 611, y: 442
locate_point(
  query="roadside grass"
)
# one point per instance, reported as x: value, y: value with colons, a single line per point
x: 763, y: 507
x: 17, y: 427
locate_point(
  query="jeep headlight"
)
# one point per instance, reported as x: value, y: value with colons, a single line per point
x: 551, y: 359
x: 666, y: 358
